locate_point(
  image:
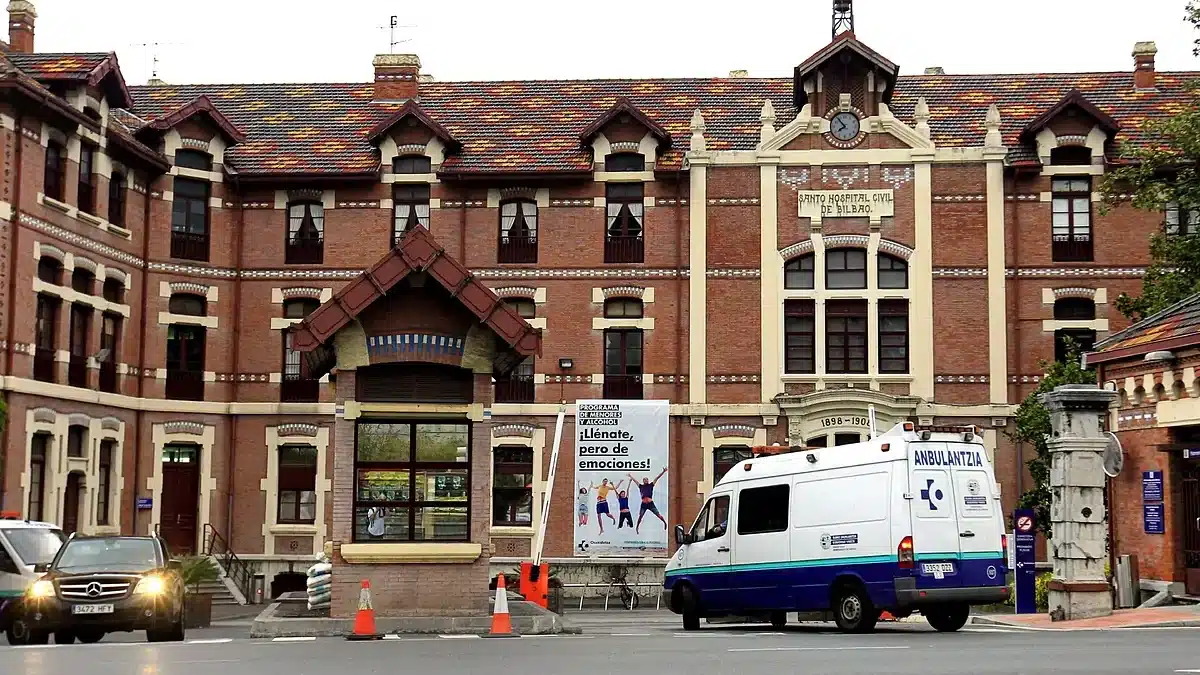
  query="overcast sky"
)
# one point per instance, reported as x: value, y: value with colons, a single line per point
x: 334, y: 40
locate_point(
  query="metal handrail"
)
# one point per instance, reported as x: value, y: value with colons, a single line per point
x: 235, y: 568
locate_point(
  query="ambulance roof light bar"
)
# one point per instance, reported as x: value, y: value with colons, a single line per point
x: 969, y: 431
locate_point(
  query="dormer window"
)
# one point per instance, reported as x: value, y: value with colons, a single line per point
x: 193, y: 159
x: 1071, y: 155
x: 92, y: 113
x: 625, y: 161
x: 412, y: 164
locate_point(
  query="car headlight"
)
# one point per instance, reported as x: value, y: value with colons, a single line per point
x: 150, y: 586
x: 42, y: 589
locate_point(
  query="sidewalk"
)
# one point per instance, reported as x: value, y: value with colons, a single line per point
x: 1156, y: 617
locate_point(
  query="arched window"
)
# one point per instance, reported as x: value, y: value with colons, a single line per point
x: 187, y: 304
x: 114, y: 290
x: 798, y: 273
x: 1074, y: 309
x: 50, y: 270
x: 193, y: 159
x: 518, y: 231
x: 522, y: 306
x: 298, y: 308
x: 622, y: 308
x: 412, y: 164
x: 845, y: 268
x: 1071, y: 155
x: 83, y: 280
x: 625, y: 161
x: 893, y: 272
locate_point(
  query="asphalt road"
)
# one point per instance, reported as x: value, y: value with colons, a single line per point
x: 656, y: 648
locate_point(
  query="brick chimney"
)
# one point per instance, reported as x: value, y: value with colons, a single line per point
x: 935, y: 70
x: 1143, y: 65
x: 21, y: 15
x: 396, y: 77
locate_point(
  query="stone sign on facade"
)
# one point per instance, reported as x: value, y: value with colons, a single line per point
x: 820, y: 204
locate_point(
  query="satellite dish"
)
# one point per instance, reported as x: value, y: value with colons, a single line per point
x: 1114, y: 456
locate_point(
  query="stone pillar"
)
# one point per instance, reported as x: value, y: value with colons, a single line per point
x: 1079, y: 588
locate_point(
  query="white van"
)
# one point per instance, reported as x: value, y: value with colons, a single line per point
x: 24, y: 545
x: 909, y: 520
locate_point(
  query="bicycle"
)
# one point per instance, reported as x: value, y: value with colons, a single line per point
x: 619, y: 578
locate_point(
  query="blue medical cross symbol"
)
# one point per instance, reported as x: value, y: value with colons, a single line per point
x: 929, y: 494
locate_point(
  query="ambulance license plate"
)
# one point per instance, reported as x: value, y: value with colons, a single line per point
x: 92, y: 609
x: 937, y: 570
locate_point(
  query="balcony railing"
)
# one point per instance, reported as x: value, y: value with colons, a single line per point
x: 623, y: 387
x: 518, y: 249
x: 189, y: 246
x: 77, y: 371
x: 624, y: 248
x: 515, y: 389
x: 1077, y: 249
x: 299, y: 389
x: 305, y: 251
x: 108, y: 376
x: 185, y: 385
x: 43, y: 365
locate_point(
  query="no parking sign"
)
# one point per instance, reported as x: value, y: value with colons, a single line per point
x: 1025, y: 571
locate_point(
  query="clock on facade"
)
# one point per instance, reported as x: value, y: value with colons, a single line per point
x: 844, y: 126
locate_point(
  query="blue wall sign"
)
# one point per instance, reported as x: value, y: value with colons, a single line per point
x: 1152, y: 519
x: 145, y: 503
x: 1191, y: 453
x: 1025, y: 535
x: 1152, y: 486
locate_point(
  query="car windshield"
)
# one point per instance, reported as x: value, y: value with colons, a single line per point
x: 34, y: 544
x: 108, y: 555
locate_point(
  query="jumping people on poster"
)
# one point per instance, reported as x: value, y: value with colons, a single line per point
x: 647, y: 489
x: 620, y: 444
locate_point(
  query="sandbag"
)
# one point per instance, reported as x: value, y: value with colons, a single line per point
x: 323, y: 580
x: 319, y: 605
x: 318, y: 599
x: 319, y: 569
x: 320, y: 590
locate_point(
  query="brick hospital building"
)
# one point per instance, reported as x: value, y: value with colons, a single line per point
x: 246, y: 315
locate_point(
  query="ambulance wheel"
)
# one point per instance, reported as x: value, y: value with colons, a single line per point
x: 947, y: 618
x: 691, y: 621
x: 852, y: 609
x: 17, y: 632
x: 778, y: 619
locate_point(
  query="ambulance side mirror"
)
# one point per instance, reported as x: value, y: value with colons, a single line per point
x: 681, y: 537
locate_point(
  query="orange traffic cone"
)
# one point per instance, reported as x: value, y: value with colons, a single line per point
x: 501, y: 621
x: 364, y: 620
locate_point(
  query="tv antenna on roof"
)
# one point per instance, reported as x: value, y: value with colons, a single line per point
x: 393, y: 24
x: 153, y: 47
x: 843, y: 17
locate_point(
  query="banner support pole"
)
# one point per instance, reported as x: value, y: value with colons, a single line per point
x: 540, y: 540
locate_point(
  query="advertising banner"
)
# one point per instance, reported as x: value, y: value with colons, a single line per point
x: 621, y: 481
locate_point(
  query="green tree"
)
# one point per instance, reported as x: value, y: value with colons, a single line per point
x: 1033, y: 428
x: 1164, y: 169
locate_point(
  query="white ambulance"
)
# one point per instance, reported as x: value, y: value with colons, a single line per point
x: 907, y: 521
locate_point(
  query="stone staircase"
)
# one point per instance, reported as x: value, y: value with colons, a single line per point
x: 220, y: 593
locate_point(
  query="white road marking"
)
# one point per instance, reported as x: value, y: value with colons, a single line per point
x: 458, y: 637
x: 213, y: 641
x: 808, y: 649
x: 988, y: 630
x: 630, y: 634
x: 1194, y: 670
x: 293, y: 639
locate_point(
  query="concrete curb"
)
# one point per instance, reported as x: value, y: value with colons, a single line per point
x: 527, y: 619
x: 989, y: 621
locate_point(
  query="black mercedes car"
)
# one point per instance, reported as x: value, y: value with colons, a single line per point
x: 99, y: 585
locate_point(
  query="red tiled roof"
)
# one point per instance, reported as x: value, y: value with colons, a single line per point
x: 535, y: 126
x: 94, y: 68
x: 419, y: 251
x: 1174, y: 327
